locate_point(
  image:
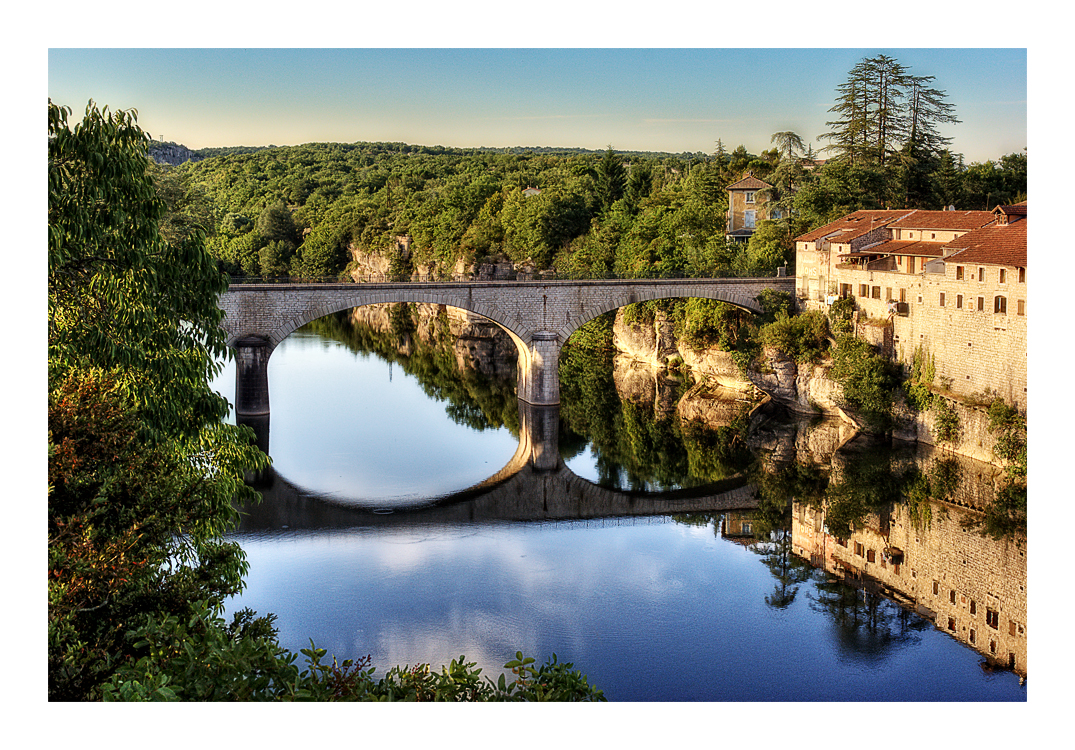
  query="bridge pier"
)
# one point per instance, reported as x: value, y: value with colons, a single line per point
x: 539, y: 374
x: 252, y: 376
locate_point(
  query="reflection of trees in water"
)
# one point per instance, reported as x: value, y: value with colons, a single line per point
x: 788, y: 570
x: 867, y: 624
x: 471, y: 398
x: 636, y: 446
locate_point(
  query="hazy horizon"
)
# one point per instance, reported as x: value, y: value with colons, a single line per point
x: 668, y: 100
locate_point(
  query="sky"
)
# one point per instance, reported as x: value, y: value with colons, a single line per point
x: 634, y: 99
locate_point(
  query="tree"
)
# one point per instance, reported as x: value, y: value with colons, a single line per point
x: 142, y: 470
x: 882, y: 107
x: 611, y: 179
x: 275, y: 223
x: 926, y: 109
x: 788, y: 144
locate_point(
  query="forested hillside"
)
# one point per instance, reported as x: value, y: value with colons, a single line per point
x: 299, y: 210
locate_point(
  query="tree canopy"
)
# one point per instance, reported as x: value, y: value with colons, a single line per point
x: 142, y: 470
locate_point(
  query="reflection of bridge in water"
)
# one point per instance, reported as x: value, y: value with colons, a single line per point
x: 535, y: 485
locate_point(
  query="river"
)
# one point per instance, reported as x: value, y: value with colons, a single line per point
x: 377, y: 536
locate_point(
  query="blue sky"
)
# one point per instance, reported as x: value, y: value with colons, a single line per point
x: 657, y: 99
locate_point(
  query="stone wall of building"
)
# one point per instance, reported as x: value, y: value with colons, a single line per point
x: 979, y: 346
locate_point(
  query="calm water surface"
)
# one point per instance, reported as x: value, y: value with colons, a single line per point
x: 651, y: 609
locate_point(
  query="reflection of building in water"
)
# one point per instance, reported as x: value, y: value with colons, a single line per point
x: 972, y: 587
x: 738, y: 526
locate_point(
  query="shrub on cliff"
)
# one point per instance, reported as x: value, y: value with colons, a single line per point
x: 802, y: 337
x: 868, y: 380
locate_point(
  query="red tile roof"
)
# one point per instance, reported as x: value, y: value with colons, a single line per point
x: 750, y: 182
x: 853, y: 225
x: 996, y: 244
x: 957, y: 220
x: 901, y: 247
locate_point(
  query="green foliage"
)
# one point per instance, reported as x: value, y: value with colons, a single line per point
x: 840, y: 313
x: 1006, y: 515
x: 919, y: 385
x: 769, y: 248
x: 202, y: 659
x: 868, y: 380
x: 945, y: 421
x: 802, y: 337
x: 142, y: 470
x: 611, y: 179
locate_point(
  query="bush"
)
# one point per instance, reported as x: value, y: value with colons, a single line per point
x: 946, y: 426
x: 802, y: 337
x: 868, y: 380
x: 205, y: 660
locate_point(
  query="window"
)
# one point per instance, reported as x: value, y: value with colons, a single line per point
x: 864, y: 291
x: 750, y: 197
x: 1003, y: 276
x: 888, y: 292
x: 992, y: 618
x: 936, y: 588
x: 875, y: 292
x: 973, y: 607
x: 858, y: 549
x: 981, y: 304
x: 959, y: 273
x: 959, y: 301
x: 942, y: 299
x: 845, y: 290
x: 981, y: 274
x: 1022, y: 275
x: 973, y: 636
x: 952, y: 623
x: 1011, y: 627
x: 1020, y: 307
x: 933, y: 235
x: 1000, y: 305
x: 903, y: 295
x: 952, y: 596
x: 748, y: 219
x: 870, y: 556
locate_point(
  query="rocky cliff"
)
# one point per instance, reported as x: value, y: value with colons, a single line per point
x: 171, y: 153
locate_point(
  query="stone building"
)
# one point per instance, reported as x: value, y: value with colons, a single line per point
x: 746, y: 207
x: 951, y: 284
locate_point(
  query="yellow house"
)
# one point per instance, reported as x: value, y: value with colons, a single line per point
x: 746, y: 207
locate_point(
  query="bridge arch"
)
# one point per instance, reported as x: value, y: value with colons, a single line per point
x: 721, y: 295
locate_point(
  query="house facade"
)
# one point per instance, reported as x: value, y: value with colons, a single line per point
x: 951, y: 284
x: 746, y: 207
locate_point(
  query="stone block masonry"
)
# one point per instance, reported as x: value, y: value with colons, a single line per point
x: 538, y: 315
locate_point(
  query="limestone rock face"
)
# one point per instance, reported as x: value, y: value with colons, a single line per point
x: 777, y: 377
x: 367, y: 265
x: 481, y: 344
x: 806, y: 388
x: 653, y: 344
x: 716, y: 366
x: 171, y: 153
x: 478, y: 343
x: 640, y: 383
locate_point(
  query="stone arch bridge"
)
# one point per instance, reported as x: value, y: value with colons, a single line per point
x: 538, y: 315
